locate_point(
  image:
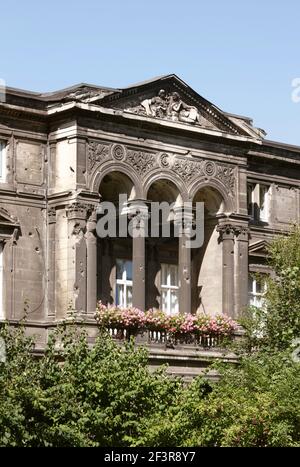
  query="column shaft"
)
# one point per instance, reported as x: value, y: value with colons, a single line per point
x: 227, y: 238
x: 138, y: 256
x: 184, y: 266
x: 91, y: 279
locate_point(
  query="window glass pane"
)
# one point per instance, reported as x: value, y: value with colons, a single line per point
x: 164, y: 274
x: 120, y: 294
x: 128, y: 269
x: 164, y: 301
x: 174, y: 303
x: 263, y: 199
x: 128, y: 296
x: 122, y: 266
x: 251, y: 300
x: 259, y: 287
x: 174, y: 274
x: 250, y: 284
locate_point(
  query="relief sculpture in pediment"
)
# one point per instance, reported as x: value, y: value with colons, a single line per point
x: 169, y: 106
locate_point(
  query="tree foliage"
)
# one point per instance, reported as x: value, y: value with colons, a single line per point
x: 105, y: 395
x: 76, y: 395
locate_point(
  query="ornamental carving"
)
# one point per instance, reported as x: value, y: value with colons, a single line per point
x: 78, y: 230
x: 78, y: 210
x: 118, y: 152
x: 209, y: 169
x: 169, y: 106
x: 51, y: 215
x: 165, y: 161
x: 187, y: 169
x: 97, y: 152
x: 227, y: 176
x: 142, y: 162
x: 228, y: 231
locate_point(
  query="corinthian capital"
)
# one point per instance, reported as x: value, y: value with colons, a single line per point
x: 80, y: 210
x: 226, y: 231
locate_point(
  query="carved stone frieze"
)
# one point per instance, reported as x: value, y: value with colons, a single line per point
x: 141, y: 162
x: 187, y: 170
x: 226, y: 175
x: 97, y: 153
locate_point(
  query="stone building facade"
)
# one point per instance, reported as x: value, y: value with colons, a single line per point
x: 64, y: 153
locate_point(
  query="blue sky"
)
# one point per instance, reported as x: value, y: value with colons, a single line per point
x: 241, y: 56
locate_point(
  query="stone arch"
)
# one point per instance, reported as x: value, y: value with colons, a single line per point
x: 113, y: 167
x: 197, y: 186
x: 207, y: 275
x: 159, y: 174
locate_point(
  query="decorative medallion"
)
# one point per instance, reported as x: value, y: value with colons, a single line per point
x: 118, y: 152
x: 165, y: 161
x: 209, y: 169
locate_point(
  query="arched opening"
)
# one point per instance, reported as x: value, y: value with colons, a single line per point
x: 207, y: 268
x: 114, y: 252
x: 115, y: 184
x: 162, y: 277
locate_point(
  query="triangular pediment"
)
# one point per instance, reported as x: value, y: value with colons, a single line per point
x: 170, y: 98
x: 259, y: 248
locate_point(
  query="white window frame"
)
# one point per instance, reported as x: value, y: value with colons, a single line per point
x: 256, y: 298
x: 124, y: 283
x: 254, y: 195
x: 169, y: 288
x: 264, y: 201
x: 3, y: 146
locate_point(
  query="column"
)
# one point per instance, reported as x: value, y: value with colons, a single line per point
x: 184, y: 267
x: 183, y: 220
x: 138, y: 229
x: 91, y: 267
x: 51, y: 260
x: 241, y: 268
x: 77, y: 257
x: 226, y: 232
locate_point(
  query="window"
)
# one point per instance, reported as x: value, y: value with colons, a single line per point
x: 264, y: 202
x: 1, y: 282
x: 169, y: 288
x: 257, y: 288
x: 2, y: 161
x: 123, y: 283
x: 258, y: 201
